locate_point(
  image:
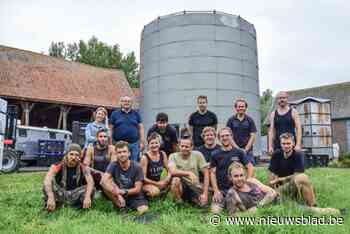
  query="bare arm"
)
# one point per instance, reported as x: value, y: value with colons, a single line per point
x: 250, y: 142
x: 88, y: 156
x: 110, y: 127
x: 111, y: 154
x: 272, y: 132
x: 297, y: 123
x: 176, y: 172
x: 48, y: 182
x: 108, y: 184
x: 89, y: 183
x: 206, y: 180
x: 250, y: 170
x: 213, y: 180
x: 135, y: 190
x: 270, y: 194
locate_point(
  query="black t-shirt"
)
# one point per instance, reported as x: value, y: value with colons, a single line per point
x: 241, y: 129
x: 125, y: 179
x: 169, y: 138
x: 208, y: 153
x: 198, y: 122
x: 282, y: 167
x: 222, y: 160
x: 71, y: 182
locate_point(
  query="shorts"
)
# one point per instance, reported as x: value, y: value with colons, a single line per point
x: 133, y: 202
x: 289, y: 189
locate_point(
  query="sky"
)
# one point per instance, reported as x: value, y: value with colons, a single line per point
x: 301, y: 44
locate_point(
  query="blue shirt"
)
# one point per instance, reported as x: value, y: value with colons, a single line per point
x: 125, y: 125
x: 241, y: 130
x: 91, y: 131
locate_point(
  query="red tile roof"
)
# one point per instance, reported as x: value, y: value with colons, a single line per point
x: 32, y: 76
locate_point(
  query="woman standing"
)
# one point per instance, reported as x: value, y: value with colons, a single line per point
x: 93, y: 127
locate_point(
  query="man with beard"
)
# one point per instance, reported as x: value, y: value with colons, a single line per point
x: 243, y: 129
x: 126, y: 125
x: 167, y: 133
x: 246, y: 194
x: 288, y: 178
x: 68, y: 182
x: 184, y: 167
x: 219, y: 164
x: 201, y: 119
x: 122, y: 182
x: 284, y: 119
x: 99, y: 155
x: 210, y: 146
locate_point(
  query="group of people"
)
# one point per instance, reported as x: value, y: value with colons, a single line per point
x: 193, y: 168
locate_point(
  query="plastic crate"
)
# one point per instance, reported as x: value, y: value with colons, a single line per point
x: 50, y: 152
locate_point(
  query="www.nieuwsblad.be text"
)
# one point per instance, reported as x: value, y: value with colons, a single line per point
x: 275, y: 220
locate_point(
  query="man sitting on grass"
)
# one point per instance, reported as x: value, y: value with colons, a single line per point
x: 246, y: 194
x: 68, y: 182
x: 219, y: 164
x: 288, y: 178
x: 185, y: 166
x: 122, y: 182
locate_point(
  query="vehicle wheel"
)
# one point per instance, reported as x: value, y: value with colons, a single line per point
x: 10, y: 161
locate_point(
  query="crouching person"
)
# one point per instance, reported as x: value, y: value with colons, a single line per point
x: 69, y: 182
x: 288, y: 178
x: 153, y: 163
x: 122, y: 182
x: 246, y: 195
x: 185, y: 166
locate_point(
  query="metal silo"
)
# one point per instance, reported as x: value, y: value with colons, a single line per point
x: 187, y: 54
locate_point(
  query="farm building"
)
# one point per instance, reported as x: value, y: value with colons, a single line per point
x: 53, y: 92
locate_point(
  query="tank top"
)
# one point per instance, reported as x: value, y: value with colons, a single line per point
x: 283, y: 123
x: 100, y: 161
x: 155, y: 168
x: 251, y: 198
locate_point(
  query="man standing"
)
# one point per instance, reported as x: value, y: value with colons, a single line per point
x: 243, y: 129
x: 185, y: 167
x: 219, y: 164
x: 210, y: 146
x: 123, y: 180
x: 126, y: 125
x: 288, y: 178
x: 68, y: 182
x: 168, y: 133
x: 201, y: 119
x: 284, y: 119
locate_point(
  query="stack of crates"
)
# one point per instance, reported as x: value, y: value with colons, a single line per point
x: 315, y: 118
x: 50, y: 152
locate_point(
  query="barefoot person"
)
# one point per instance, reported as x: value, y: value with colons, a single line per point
x: 185, y: 166
x: 246, y: 195
x: 99, y: 155
x: 69, y: 182
x: 284, y: 119
x: 153, y: 163
x: 219, y: 164
x: 287, y: 175
x: 122, y: 182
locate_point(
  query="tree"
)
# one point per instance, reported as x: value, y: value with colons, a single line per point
x: 265, y: 105
x: 99, y: 54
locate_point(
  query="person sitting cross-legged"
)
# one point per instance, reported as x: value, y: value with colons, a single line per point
x: 288, y: 178
x: 122, y: 182
x: 185, y: 166
x: 69, y: 182
x: 153, y: 163
x: 246, y: 195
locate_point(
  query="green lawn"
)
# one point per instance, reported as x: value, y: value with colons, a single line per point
x: 21, y: 211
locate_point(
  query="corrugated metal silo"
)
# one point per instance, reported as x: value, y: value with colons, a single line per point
x: 187, y: 54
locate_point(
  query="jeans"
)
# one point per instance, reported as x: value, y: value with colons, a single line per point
x: 135, y: 151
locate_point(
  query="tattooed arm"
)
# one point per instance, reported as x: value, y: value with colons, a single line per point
x: 51, y: 203
x: 89, y: 188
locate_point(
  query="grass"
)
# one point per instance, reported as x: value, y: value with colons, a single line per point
x: 21, y: 210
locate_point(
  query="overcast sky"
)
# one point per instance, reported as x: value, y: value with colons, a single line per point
x: 301, y: 44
